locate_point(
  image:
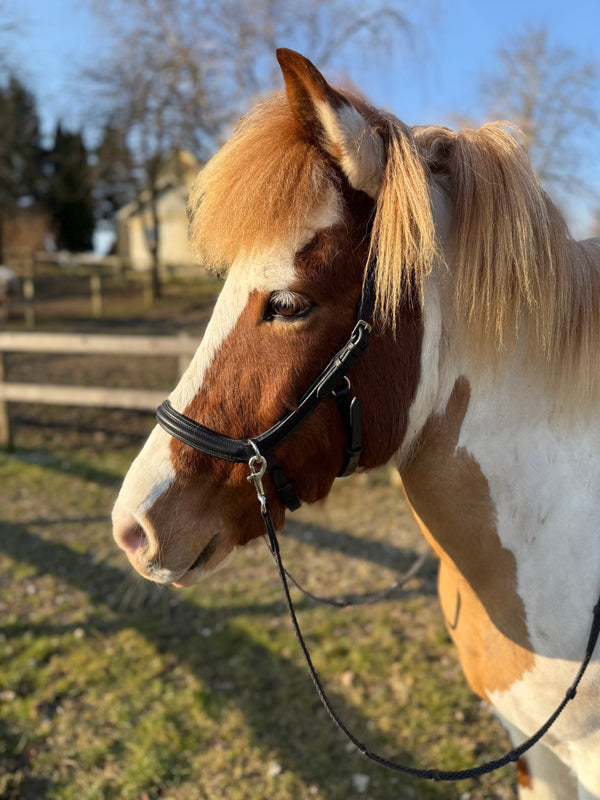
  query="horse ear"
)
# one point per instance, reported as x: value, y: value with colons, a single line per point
x: 329, y: 120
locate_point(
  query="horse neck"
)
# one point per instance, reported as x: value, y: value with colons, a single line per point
x: 513, y: 389
x: 496, y: 473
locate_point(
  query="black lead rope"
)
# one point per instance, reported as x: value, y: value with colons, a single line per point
x: 258, y: 454
x: 427, y: 774
x: 370, y: 599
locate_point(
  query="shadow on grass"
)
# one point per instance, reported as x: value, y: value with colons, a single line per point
x: 383, y: 554
x: 276, y: 697
x: 68, y: 466
x: 18, y: 763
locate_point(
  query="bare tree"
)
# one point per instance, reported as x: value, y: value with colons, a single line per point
x: 553, y: 95
x: 9, y: 28
x: 182, y: 70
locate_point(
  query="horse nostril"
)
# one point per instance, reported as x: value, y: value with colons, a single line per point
x: 131, y: 538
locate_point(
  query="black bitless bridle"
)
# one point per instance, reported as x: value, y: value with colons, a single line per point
x: 259, y: 454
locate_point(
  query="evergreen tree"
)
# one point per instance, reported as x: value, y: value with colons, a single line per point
x: 70, y: 187
x: 114, y: 173
x: 21, y: 153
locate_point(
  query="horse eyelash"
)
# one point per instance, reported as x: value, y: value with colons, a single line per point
x: 284, y: 298
x: 287, y: 299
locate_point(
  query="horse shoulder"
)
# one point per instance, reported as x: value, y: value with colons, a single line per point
x: 450, y: 497
x: 510, y: 511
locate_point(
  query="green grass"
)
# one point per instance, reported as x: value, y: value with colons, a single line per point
x: 113, y: 688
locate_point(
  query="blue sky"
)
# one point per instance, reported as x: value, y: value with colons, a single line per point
x: 454, y: 44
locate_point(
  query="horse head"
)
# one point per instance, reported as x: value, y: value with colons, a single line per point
x: 286, y: 209
x: 314, y: 185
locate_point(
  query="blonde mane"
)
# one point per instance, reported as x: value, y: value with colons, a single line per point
x: 258, y: 190
x: 514, y: 264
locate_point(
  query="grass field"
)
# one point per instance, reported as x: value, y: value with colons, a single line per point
x: 111, y: 687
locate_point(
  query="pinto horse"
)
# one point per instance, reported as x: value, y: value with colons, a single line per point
x: 481, y: 380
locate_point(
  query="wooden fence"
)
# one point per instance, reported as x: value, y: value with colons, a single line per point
x: 93, y: 285
x: 181, y: 347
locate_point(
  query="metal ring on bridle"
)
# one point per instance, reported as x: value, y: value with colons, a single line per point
x: 257, y: 458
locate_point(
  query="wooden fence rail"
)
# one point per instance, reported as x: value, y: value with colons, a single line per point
x: 181, y: 347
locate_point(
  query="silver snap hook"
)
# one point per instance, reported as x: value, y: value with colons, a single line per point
x: 258, y: 466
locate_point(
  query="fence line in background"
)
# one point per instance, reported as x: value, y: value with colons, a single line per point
x: 182, y: 347
x: 96, y: 293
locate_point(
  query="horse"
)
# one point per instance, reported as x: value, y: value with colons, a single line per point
x: 481, y: 381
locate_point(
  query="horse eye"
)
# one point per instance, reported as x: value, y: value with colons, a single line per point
x: 287, y: 305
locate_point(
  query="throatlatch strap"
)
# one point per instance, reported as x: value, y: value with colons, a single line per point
x: 350, y: 412
x: 283, y: 485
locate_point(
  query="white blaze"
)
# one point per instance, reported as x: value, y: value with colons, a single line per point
x: 151, y: 474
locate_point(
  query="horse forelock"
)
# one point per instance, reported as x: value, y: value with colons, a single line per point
x: 259, y: 191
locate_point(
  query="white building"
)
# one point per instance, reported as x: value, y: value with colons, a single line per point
x: 135, y: 226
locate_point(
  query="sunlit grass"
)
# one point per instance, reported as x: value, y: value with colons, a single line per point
x: 113, y: 688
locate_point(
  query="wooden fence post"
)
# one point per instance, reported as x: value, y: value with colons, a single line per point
x: 29, y: 295
x: 96, y: 291
x: 147, y: 289
x: 5, y: 431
